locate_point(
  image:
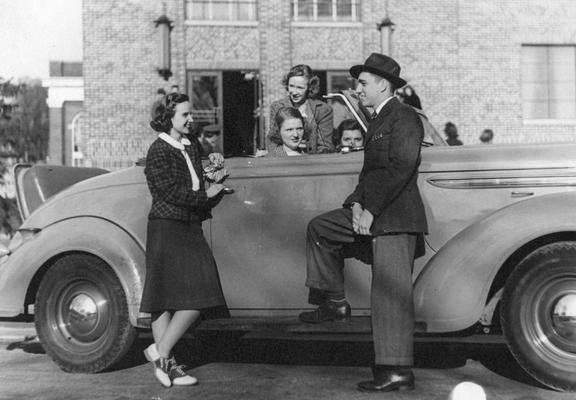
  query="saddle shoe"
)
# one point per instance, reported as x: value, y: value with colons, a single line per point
x: 178, y: 376
x: 326, y: 312
x: 161, y: 365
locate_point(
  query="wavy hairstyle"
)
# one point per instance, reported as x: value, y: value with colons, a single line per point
x: 284, y: 114
x: 165, y: 110
x: 306, y: 72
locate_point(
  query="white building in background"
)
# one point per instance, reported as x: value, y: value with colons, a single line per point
x: 65, y: 102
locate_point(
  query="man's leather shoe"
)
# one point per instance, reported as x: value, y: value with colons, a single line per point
x: 387, y: 380
x: 326, y: 312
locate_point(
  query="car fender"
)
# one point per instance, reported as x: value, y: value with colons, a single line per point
x: 451, y: 291
x: 90, y: 235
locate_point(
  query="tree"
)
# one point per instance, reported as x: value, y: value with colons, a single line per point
x: 24, y: 133
x: 24, y: 124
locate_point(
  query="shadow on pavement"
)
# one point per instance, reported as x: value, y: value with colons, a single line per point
x: 231, y: 348
x: 30, y: 345
x: 498, y: 359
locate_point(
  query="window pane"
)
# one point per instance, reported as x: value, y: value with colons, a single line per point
x: 324, y: 10
x: 204, y: 92
x: 535, y: 109
x: 549, y: 82
x: 305, y: 10
x: 220, y: 10
x: 341, y: 82
x: 562, y: 109
x: 344, y: 9
x: 535, y: 91
x: 245, y: 11
x: 197, y: 10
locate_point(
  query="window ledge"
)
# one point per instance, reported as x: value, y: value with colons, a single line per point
x: 326, y: 24
x: 193, y: 22
x: 549, y: 122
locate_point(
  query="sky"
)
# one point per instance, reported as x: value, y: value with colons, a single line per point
x: 35, y: 32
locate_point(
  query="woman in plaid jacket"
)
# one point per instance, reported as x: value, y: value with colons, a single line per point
x: 181, y: 274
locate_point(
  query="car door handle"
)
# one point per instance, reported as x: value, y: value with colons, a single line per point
x: 521, y: 194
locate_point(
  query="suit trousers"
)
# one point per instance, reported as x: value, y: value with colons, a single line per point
x: 330, y: 239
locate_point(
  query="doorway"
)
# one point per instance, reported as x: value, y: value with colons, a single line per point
x: 241, y: 123
x: 226, y: 102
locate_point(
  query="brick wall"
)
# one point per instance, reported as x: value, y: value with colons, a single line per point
x: 461, y: 56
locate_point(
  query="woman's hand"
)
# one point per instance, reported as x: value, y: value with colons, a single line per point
x: 214, y: 190
x: 217, y: 159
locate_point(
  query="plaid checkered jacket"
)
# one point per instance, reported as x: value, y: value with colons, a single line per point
x: 170, y: 183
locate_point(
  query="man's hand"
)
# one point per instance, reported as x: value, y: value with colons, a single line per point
x: 365, y: 222
x: 356, y: 212
x: 214, y: 189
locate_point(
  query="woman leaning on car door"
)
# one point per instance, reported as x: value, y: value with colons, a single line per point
x: 181, y: 274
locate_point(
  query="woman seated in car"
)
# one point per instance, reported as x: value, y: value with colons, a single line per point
x: 303, y: 87
x: 348, y: 136
x: 287, y: 140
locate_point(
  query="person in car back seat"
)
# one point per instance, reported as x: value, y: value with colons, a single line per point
x: 288, y: 139
x: 181, y: 274
x: 348, y: 136
x: 303, y: 87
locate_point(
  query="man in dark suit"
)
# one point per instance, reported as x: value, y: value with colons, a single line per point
x: 380, y: 223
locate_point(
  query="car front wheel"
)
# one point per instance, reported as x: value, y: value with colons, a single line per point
x: 81, y: 315
x: 539, y: 315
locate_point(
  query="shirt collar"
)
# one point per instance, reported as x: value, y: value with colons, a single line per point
x: 173, y: 142
x: 381, y: 105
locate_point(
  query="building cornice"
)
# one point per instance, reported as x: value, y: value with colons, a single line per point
x: 62, y: 89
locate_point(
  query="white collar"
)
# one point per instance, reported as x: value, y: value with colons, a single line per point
x: 291, y: 152
x: 381, y: 105
x: 173, y: 142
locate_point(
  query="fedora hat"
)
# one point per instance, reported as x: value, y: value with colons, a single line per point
x: 381, y: 65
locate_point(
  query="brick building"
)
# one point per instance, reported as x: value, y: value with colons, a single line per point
x: 506, y: 65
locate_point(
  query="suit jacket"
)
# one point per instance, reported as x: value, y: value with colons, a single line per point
x: 387, y: 186
x: 319, y: 124
x: 170, y: 183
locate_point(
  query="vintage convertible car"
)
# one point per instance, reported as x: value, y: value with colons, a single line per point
x: 500, y: 256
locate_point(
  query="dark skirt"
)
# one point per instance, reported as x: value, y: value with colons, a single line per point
x: 181, y: 273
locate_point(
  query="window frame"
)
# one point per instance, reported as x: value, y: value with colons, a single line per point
x: 353, y: 20
x: 530, y: 120
x: 253, y: 12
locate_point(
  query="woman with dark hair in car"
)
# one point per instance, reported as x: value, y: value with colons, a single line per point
x: 348, y: 136
x: 181, y: 274
x: 303, y: 89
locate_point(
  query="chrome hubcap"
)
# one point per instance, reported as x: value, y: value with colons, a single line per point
x: 564, y: 317
x: 82, y: 314
x: 551, y: 323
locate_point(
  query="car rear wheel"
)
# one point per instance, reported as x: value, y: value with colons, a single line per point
x: 81, y: 315
x: 539, y: 315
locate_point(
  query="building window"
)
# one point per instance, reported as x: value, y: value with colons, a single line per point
x: 326, y: 10
x: 339, y: 81
x: 221, y: 10
x: 549, y: 82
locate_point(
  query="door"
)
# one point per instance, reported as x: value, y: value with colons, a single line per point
x: 205, y: 91
x: 225, y: 108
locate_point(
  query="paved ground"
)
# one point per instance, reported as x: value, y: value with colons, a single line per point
x: 267, y: 369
